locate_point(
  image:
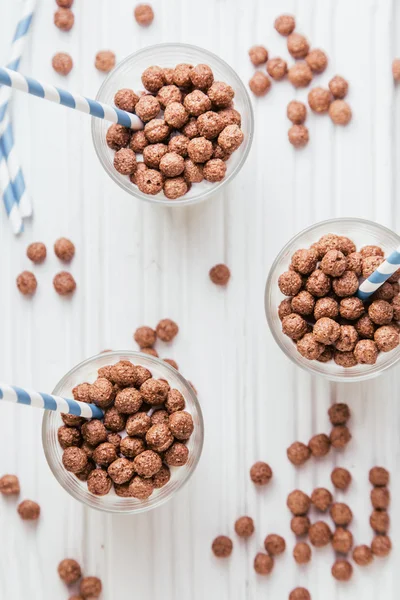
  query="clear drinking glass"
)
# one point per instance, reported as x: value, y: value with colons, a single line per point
x: 87, y: 371
x: 363, y: 233
x: 127, y: 74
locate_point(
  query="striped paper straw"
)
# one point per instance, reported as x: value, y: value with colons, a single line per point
x: 11, y: 393
x: 380, y: 275
x: 54, y: 94
x: 10, y: 203
x: 18, y: 186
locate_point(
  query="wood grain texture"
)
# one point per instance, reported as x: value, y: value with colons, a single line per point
x: 136, y: 264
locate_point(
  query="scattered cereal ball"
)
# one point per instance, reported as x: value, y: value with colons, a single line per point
x: 172, y: 164
x: 181, y: 424
x: 263, y: 563
x: 347, y: 339
x: 182, y: 75
x: 342, y: 570
x: 321, y: 499
x: 90, y: 587
x: 326, y: 331
x: 351, y: 308
x: 147, y: 108
x: 202, y: 76
x: 300, y: 525
x: 320, y: 534
x: 298, y: 453
x: 260, y: 473
x: 344, y: 359
x: 386, y: 338
x: 380, y: 312
x: 362, y: 555
x: 138, y: 424
x: 396, y: 69
x: 105, y: 61
x: 177, y: 455
x: 380, y: 498
x: 379, y: 521
x: 339, y: 414
x: 64, y: 19
x: 319, y: 445
x: 144, y: 14
x: 285, y: 24
x: 178, y: 144
x: 298, y: 503
x: 147, y: 464
x: 74, y: 459
x: 64, y: 283
x: 9, y: 485
x: 290, y: 283
x: 365, y: 327
x: 94, y: 432
x: 156, y: 130
x: 341, y: 478
x: 258, y: 55
x: 381, y: 545
x: 338, y: 86
x: 27, y: 283
x: 317, y: 60
x: 200, y: 150
x: 341, y: 514
x: 244, y: 527
x: 300, y: 75
x: 326, y: 355
x: 138, y: 142
x: 161, y: 478
x: 214, y: 170
x: 326, y: 307
x: 210, y: 124
x: 340, y: 435
x: 125, y: 161
x: 220, y: 274
x: 299, y: 594
x: 145, y: 337
x: 298, y: 45
x: 297, y: 112
x: 176, y: 115
x: 36, y: 252
x: 221, y: 94
x: 69, y: 571
x: 294, y: 326
x: 369, y: 264
x: 68, y: 436
x: 342, y: 540
x: 222, y: 546
x: 29, y: 510
x: 274, y: 544
x: 126, y: 99
x: 62, y: 63
x: 302, y: 553
x: 118, y: 136
x: 152, y: 155
x: 277, y: 68
x: 298, y: 136
x: 333, y: 263
x: 64, y: 249
x: 366, y: 352
x: 379, y: 477
x: 159, y: 437
x: 175, y: 188
x: 319, y: 100
x: 340, y: 112
x: 65, y: 3
x: 346, y: 284
x: 303, y: 303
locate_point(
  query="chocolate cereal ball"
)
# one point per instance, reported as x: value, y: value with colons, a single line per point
x: 341, y: 478
x: 172, y: 164
x: 384, y: 292
x: 118, y: 136
x: 181, y: 424
x: 329, y: 241
x: 138, y: 142
x: 94, y: 432
x: 340, y: 435
x: 196, y: 103
x: 380, y: 312
x: 319, y: 533
x: 74, y: 459
x: 362, y: 555
x: 90, y: 587
x: 379, y: 476
x: 326, y: 355
x: 309, y: 347
x: 298, y: 45
x: 396, y: 308
x: 156, y: 130
x: 303, y: 303
x: 285, y: 24
x: 379, y: 521
x: 36, y: 252
x: 341, y: 514
x: 296, y: 112
x: 147, y: 464
x: 317, y: 60
x: 9, y: 485
x: 126, y: 99
x: 300, y: 525
x: 145, y: 337
x: 300, y: 75
x: 104, y: 454
x: 298, y: 453
x: 326, y: 307
x: 326, y: 331
x: 193, y: 172
x: 121, y: 470
x: 260, y: 473
x: 200, y: 149
x: 153, y: 79
x: 128, y: 401
x: 342, y: 540
x: 159, y: 437
x: 159, y: 416
x: 333, y: 263
x: 221, y: 94
x: 29, y: 510
x: 154, y: 391
x: 175, y: 188
x: 340, y: 112
x: 263, y: 563
x: 351, y: 308
x: 214, y: 170
x: 285, y: 308
x: 222, y: 546
x: 354, y: 263
x: 346, y: 284
x: 138, y: 424
x: 380, y: 498
x: 210, y: 124
x: 99, y: 483
x: 302, y: 553
x: 152, y: 155
x: 141, y: 488
x: 277, y: 68
x: 381, y: 545
x: 105, y: 61
x: 169, y: 94
x: 298, y: 503
x: 101, y: 392
x: 182, y: 75
x: 342, y: 570
x: 339, y: 414
x: 230, y: 138
x: 290, y: 283
x: 69, y: 571
x: 386, y: 338
x: 124, y: 373
x: 304, y: 261
x: 125, y: 161
x: 298, y: 136
x: 64, y: 19
x: 144, y: 14
x: 319, y: 445
x: 369, y: 264
x: 321, y: 498
x: 294, y: 326
x: 318, y: 284
x: 27, y: 283
x: 244, y: 527
x: 81, y: 392
x: 319, y: 100
x: 344, y: 359
x: 175, y: 401
x: 68, y: 436
x: 147, y: 108
x: 366, y: 352
x: 114, y: 420
x: 258, y: 55
x: 178, y: 144
x: 274, y: 544
x: 347, y: 339
x: 162, y: 477
x: 115, y: 440
x: 299, y: 594
x: 176, y: 115
x: 190, y: 130
x: 365, y: 327
x: 151, y: 182
x: 65, y: 3
x: 131, y: 446
x: 64, y: 249
x: 62, y: 63
x: 338, y: 87
x: 201, y: 76
x: 177, y: 455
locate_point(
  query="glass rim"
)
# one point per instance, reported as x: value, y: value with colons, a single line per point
x: 216, y: 187
x: 330, y: 376
x: 189, y: 471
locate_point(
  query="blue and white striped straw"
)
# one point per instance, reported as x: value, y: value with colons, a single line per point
x: 11, y: 393
x: 50, y: 92
x: 380, y: 275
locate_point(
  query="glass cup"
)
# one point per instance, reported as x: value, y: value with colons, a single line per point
x: 127, y: 74
x: 363, y: 233
x: 87, y: 371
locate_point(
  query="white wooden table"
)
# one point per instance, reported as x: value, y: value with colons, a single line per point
x: 136, y: 264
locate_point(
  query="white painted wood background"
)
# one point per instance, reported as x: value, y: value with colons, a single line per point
x: 136, y: 264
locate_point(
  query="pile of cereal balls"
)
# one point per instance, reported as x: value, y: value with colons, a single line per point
x: 191, y: 129
x: 322, y: 313
x: 144, y: 432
